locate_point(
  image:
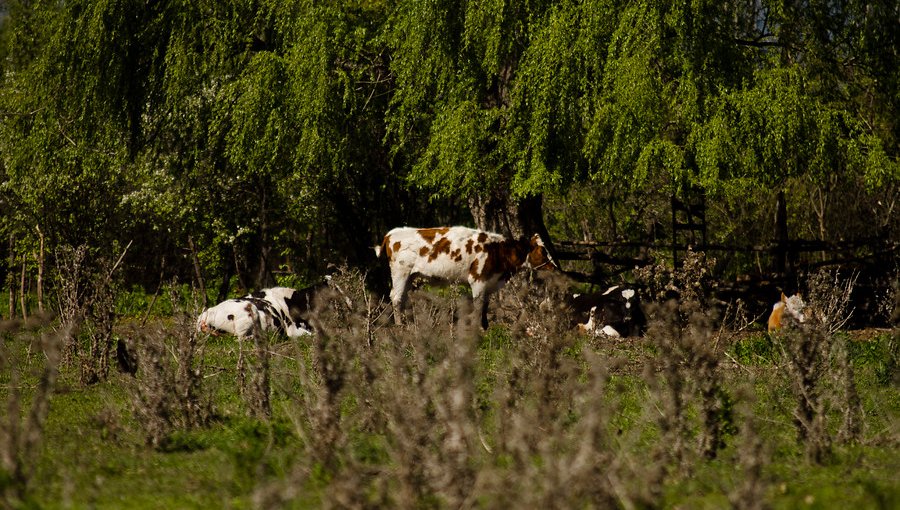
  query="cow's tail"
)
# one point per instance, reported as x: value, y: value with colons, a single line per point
x: 381, y: 249
x: 378, y: 274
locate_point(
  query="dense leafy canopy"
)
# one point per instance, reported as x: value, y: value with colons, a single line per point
x: 269, y: 132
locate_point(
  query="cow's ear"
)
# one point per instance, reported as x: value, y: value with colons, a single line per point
x: 783, y: 298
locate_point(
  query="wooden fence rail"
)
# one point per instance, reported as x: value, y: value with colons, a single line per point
x: 863, y: 251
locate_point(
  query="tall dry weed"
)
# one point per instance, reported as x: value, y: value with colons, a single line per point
x: 256, y: 390
x: 528, y: 414
x: 168, y: 393
x: 692, y: 283
x: 686, y: 373
x: 804, y: 349
x: 436, y: 413
x: 333, y: 392
x: 818, y: 368
x: 752, y: 455
x: 87, y: 288
x: 533, y: 305
x: 553, y: 441
x: 829, y: 298
x: 844, y: 395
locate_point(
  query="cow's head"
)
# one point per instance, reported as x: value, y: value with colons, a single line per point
x: 538, y: 257
x: 794, y: 306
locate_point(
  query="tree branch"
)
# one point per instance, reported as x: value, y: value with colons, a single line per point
x: 758, y: 42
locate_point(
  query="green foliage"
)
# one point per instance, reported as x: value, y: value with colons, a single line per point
x: 699, y: 93
x: 249, y: 129
x: 136, y: 302
x: 558, y: 75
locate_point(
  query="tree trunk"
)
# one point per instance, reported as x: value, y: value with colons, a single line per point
x: 238, y: 269
x: 162, y: 273
x: 498, y: 212
x: 197, y: 272
x: 225, y: 284
x: 10, y: 278
x: 22, y: 291
x: 263, y: 274
x: 781, y: 234
x: 40, y: 272
x: 490, y: 213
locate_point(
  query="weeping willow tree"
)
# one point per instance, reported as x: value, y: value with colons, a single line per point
x: 237, y: 136
x: 242, y: 135
x: 454, y: 65
x: 502, y: 103
x: 729, y: 95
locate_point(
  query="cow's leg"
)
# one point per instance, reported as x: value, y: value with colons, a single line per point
x: 480, y: 298
x: 484, y: 309
x: 399, y: 283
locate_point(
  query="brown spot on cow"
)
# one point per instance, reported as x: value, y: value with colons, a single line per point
x: 441, y: 246
x: 386, y: 247
x: 396, y: 247
x: 482, y: 237
x: 508, y: 256
x: 491, y: 264
x: 479, y: 248
x: 428, y: 234
x: 473, y: 270
x: 423, y: 251
x: 456, y: 255
x: 469, y: 244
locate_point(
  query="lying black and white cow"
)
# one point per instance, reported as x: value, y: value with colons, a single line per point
x: 616, y: 312
x: 279, y: 309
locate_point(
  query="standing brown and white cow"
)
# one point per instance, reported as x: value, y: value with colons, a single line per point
x: 484, y: 260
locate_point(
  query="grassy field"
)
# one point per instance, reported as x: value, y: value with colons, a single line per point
x: 435, y: 414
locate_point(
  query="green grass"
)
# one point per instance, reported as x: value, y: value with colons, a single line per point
x: 93, y: 453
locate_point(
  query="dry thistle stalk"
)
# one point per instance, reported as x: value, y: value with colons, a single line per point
x: 71, y: 294
x: 691, y: 283
x: 844, y: 393
x: 752, y: 456
x: 688, y: 374
x: 168, y: 392
x: 829, y: 298
x: 256, y: 393
x: 338, y: 369
x: 86, y: 296
x: 805, y: 350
